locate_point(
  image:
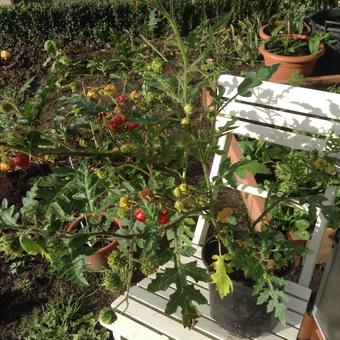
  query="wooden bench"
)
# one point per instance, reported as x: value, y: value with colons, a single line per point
x: 276, y: 113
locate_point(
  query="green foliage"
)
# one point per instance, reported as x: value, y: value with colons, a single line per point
x: 123, y: 164
x: 185, y: 293
x: 61, y: 320
x: 294, y: 220
x: 10, y: 246
x: 107, y: 315
x: 93, y: 22
x: 245, y: 40
x: 8, y: 216
x: 220, y: 276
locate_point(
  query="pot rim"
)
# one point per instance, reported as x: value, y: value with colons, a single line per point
x: 293, y: 59
x: 100, y: 250
x: 281, y: 273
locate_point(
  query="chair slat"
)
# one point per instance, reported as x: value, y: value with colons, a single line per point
x: 204, y: 325
x: 132, y: 330
x: 307, y: 101
x: 281, y: 119
x: 156, y: 320
x: 276, y: 136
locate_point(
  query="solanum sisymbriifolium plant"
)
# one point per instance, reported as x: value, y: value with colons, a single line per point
x: 121, y: 157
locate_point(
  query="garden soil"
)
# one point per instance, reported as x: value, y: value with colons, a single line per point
x: 33, y: 286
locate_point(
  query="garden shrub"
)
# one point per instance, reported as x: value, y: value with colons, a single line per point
x: 89, y: 21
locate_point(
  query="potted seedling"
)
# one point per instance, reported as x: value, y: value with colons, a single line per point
x: 288, y: 45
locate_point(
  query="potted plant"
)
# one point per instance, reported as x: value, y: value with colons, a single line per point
x: 295, y: 49
x: 142, y: 154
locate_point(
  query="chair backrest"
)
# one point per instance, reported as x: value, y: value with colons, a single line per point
x: 294, y: 117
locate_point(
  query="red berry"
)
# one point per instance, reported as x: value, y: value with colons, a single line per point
x: 21, y: 160
x: 139, y: 215
x: 121, y: 98
x: 116, y: 122
x: 132, y: 126
x: 163, y: 217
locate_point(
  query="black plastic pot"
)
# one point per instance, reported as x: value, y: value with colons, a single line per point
x: 328, y: 21
x: 238, y: 311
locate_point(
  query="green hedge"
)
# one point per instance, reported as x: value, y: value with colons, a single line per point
x: 90, y: 21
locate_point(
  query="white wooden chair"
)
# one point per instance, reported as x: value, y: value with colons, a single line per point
x: 282, y: 115
x: 273, y: 113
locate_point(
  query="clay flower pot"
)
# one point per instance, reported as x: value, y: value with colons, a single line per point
x: 307, y: 327
x: 264, y: 32
x: 98, y: 260
x: 291, y: 64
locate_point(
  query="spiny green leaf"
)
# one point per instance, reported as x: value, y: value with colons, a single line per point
x: 253, y: 166
x: 301, y: 224
x: 33, y: 247
x: 163, y: 280
x: 220, y: 277
x: 263, y: 297
x: 30, y: 203
x: 191, y: 269
x: 188, y: 251
x: 183, y: 297
x: 7, y: 215
x: 185, y: 293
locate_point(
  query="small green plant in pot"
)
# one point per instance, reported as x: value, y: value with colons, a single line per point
x: 131, y: 156
x: 295, y: 52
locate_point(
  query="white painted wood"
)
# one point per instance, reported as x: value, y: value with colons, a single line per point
x: 316, y: 240
x: 280, y: 137
x: 268, y: 336
x: 201, y: 231
x: 132, y: 330
x: 281, y: 119
x: 298, y: 99
x: 286, y: 332
x: 153, y: 319
x: 202, y: 226
x: 295, y: 304
x: 298, y: 291
x: 147, y: 311
x: 294, y: 318
x: 256, y: 191
x: 204, y: 325
x: 6, y: 3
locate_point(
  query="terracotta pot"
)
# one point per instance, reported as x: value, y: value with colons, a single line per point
x: 265, y: 34
x: 291, y: 64
x: 307, y: 327
x: 98, y: 260
x: 264, y: 30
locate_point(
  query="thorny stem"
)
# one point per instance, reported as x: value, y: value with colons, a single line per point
x: 62, y: 152
x: 68, y: 234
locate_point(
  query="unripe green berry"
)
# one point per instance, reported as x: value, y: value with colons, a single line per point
x: 179, y: 205
x: 183, y: 187
x: 185, y: 121
x: 177, y: 192
x: 107, y: 316
x: 188, y: 109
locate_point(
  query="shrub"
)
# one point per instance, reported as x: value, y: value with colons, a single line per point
x: 89, y: 21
